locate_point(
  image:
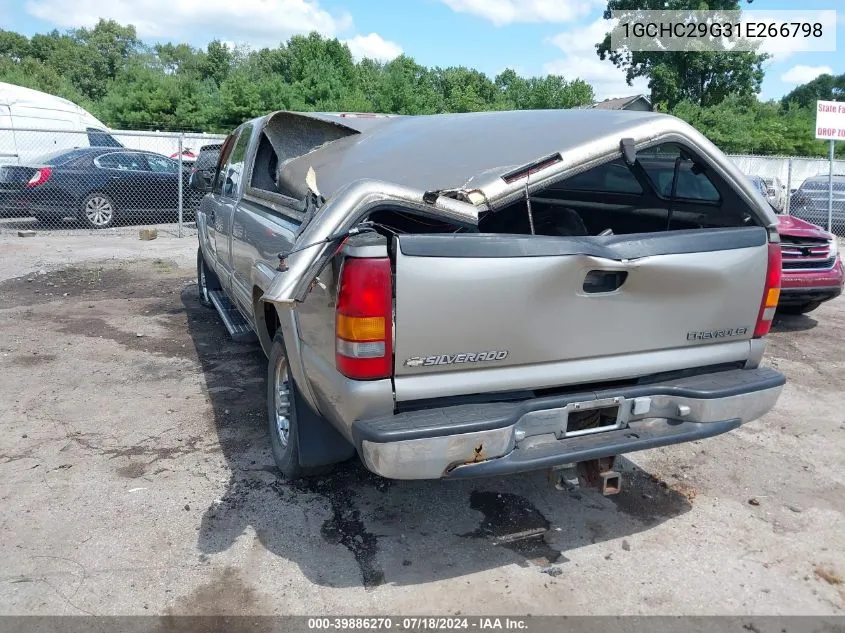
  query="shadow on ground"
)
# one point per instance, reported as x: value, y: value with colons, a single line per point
x: 793, y: 322
x: 393, y: 531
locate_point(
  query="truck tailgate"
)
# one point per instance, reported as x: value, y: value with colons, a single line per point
x: 478, y: 303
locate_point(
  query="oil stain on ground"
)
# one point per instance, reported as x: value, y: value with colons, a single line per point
x: 513, y: 522
x: 225, y: 594
x: 345, y: 526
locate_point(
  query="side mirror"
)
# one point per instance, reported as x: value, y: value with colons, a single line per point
x: 200, y: 181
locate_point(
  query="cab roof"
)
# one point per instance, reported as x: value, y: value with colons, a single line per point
x: 449, y: 151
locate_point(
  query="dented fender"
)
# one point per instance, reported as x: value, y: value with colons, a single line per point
x: 342, y: 212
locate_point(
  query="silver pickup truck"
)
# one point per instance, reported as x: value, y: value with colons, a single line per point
x: 479, y: 294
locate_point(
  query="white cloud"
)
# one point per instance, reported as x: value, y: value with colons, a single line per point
x: 580, y: 61
x: 801, y: 74
x: 501, y: 12
x: 260, y: 22
x: 373, y: 46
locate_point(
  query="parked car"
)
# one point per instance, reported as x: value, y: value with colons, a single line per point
x: 42, y: 121
x: 810, y: 201
x: 812, y: 267
x: 761, y: 186
x: 97, y: 186
x: 203, y: 169
x: 488, y: 293
x: 775, y: 192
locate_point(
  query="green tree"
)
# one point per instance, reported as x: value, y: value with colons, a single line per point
x: 14, y: 46
x: 743, y: 125
x: 180, y: 59
x: 408, y: 88
x: 464, y: 89
x: 824, y: 88
x: 217, y: 62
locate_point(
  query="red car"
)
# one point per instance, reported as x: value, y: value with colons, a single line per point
x: 812, y: 268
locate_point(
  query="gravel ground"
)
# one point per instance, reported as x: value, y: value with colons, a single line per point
x: 135, y: 478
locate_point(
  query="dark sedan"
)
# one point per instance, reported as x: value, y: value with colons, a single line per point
x: 810, y: 202
x: 98, y: 186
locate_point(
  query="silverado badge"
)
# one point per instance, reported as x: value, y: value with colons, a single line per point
x: 451, y: 359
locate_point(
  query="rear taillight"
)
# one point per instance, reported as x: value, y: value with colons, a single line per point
x: 39, y: 177
x: 771, y: 293
x: 364, y: 319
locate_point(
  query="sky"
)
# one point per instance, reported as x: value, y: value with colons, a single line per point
x: 534, y: 37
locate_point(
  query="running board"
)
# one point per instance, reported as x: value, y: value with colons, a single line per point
x: 238, y: 327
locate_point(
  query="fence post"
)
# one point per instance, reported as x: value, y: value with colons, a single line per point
x: 181, y: 143
x: 830, y: 192
x: 788, y: 209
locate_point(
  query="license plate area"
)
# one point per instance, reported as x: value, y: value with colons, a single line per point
x: 577, y: 418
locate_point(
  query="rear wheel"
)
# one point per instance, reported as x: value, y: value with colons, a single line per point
x: 282, y: 410
x: 801, y: 308
x: 206, y: 280
x: 97, y: 211
x: 294, y: 428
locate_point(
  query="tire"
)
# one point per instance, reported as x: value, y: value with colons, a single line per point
x: 281, y: 415
x: 802, y: 308
x: 97, y: 211
x: 293, y: 427
x: 206, y: 280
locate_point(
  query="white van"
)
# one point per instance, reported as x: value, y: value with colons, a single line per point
x: 34, y: 123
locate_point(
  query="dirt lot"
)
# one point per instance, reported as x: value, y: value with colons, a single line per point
x: 135, y: 478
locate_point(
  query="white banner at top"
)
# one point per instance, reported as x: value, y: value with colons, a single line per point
x: 726, y: 31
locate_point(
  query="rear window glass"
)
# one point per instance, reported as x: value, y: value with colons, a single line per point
x: 56, y: 159
x: 659, y: 165
x: 821, y: 184
x: 612, y: 177
x: 100, y: 138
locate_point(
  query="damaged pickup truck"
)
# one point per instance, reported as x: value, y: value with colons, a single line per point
x: 479, y: 294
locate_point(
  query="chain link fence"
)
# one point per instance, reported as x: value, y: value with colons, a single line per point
x: 89, y: 181
x: 800, y: 186
x: 63, y: 180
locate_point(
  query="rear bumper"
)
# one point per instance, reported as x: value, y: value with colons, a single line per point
x: 500, y: 438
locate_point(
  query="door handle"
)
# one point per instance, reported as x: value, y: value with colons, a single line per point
x: 598, y: 281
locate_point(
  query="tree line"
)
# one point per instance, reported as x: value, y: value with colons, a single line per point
x: 110, y: 72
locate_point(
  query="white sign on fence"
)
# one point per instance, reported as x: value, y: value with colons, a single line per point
x: 830, y: 120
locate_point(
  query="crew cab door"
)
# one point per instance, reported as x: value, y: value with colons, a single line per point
x: 222, y: 202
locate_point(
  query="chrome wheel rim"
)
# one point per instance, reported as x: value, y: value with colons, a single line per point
x: 282, y: 402
x: 203, y: 285
x: 98, y: 210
